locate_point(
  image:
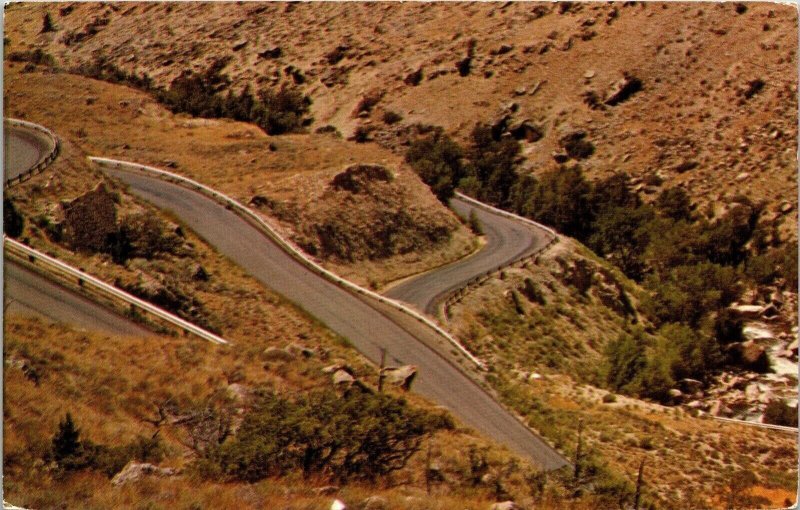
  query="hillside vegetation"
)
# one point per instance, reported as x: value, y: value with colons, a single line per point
x: 701, y: 96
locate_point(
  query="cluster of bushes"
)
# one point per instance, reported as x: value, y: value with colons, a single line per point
x: 13, y: 221
x: 143, y: 235
x: 69, y: 452
x: 358, y: 435
x: 693, y: 267
x: 36, y: 57
x: 203, y: 95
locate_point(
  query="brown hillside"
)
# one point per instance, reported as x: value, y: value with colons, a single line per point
x: 716, y: 111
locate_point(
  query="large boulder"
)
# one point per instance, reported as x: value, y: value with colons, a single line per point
x: 375, y: 503
x: 342, y: 377
x: 747, y: 311
x: 623, y: 89
x: 504, y: 505
x: 400, y: 376
x: 134, y: 471
x: 277, y: 354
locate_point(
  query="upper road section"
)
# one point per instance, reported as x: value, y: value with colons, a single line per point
x: 506, y: 240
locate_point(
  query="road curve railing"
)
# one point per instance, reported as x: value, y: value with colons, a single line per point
x: 520, y: 261
x: 61, y: 271
x: 770, y: 426
x: 44, y: 162
x: 255, y: 220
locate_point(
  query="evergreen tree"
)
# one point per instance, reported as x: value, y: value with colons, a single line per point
x: 47, y: 23
x: 66, y: 443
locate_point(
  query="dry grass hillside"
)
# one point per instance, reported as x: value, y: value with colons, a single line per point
x: 709, y: 102
x: 114, y: 388
x: 384, y: 230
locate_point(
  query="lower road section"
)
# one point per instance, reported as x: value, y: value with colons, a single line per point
x: 368, y: 330
x: 26, y: 292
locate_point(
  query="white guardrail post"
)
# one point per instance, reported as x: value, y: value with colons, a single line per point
x: 56, y: 265
x: 295, y: 252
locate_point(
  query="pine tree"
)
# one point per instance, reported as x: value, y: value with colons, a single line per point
x: 66, y: 442
x: 47, y: 23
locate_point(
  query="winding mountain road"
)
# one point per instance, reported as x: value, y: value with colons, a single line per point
x: 26, y: 292
x: 368, y: 329
x: 22, y: 150
x: 506, y: 240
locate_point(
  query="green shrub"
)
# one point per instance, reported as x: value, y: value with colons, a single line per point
x: 13, y: 221
x: 357, y: 435
x: 437, y: 159
x: 778, y: 412
x: 390, y: 117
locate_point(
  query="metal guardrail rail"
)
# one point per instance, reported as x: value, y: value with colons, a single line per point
x: 783, y: 428
x: 43, y: 163
x: 457, y: 295
x: 252, y: 218
x: 60, y: 269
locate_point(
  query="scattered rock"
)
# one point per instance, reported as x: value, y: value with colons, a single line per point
x: 301, y: 350
x: 327, y: 490
x: 338, y: 505
x: 135, y: 471
x: 589, y: 74
x: 238, y: 45
x: 505, y: 505
x: 237, y: 392
x: 277, y: 354
x: 691, y: 385
x: 400, y: 376
x: 413, y: 78
x: 526, y: 130
x: 675, y: 394
x: 757, y: 331
x: 747, y: 311
x: 272, y: 52
x: 343, y: 377
x: 623, y: 90
x: 375, y: 503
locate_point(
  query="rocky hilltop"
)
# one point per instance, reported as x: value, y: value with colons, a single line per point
x: 699, y: 95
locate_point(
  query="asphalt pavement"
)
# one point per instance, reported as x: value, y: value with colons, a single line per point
x: 28, y: 293
x: 22, y: 150
x: 506, y: 240
x: 368, y: 330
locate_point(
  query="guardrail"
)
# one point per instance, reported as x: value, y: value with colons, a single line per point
x: 458, y: 295
x: 755, y: 424
x: 42, y: 164
x: 252, y: 218
x: 84, y: 280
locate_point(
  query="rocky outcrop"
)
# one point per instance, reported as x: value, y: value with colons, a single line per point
x: 90, y: 219
x: 400, y: 376
x: 623, y: 89
x: 135, y: 471
x: 277, y: 354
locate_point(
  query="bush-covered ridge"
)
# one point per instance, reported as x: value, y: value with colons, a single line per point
x: 692, y: 265
x: 204, y: 94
